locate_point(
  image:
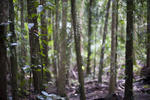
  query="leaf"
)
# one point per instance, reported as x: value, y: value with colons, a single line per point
x: 43, y: 34
x: 26, y: 68
x: 49, y: 98
x: 30, y: 25
x: 26, y: 26
x: 9, y: 34
x: 40, y: 8
x: 40, y: 97
x: 42, y: 54
x: 10, y: 98
x: 45, y: 93
x: 83, y: 68
x: 49, y: 4
x: 14, y: 44
x: 51, y: 43
x: 33, y: 15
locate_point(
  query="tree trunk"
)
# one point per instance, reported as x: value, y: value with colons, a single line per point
x: 148, y: 33
x: 23, y: 40
x: 129, y: 52
x: 55, y: 38
x: 13, y: 56
x: 63, y: 46
x: 44, y: 36
x: 3, y: 51
x: 34, y: 45
x: 88, y: 71
x: 113, y: 50
x: 116, y: 65
x: 101, y: 63
x: 54, y: 45
x: 23, y: 53
x: 44, y: 41
x: 78, y: 52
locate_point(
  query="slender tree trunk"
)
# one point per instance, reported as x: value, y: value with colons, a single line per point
x: 101, y: 63
x: 148, y: 33
x: 81, y: 15
x: 113, y: 50
x: 23, y: 41
x: 34, y: 45
x: 78, y: 52
x: 129, y: 52
x: 88, y: 71
x: 3, y: 51
x: 117, y: 7
x: 55, y: 38
x: 63, y: 46
x: 69, y: 41
x: 54, y: 45
x: 95, y: 55
x: 44, y: 37
x: 13, y: 56
x: 23, y: 53
x: 44, y: 41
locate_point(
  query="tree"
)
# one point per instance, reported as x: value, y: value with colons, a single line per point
x: 3, y: 52
x: 44, y: 36
x: 63, y: 46
x: 23, y: 57
x: 129, y: 52
x: 113, y: 50
x: 116, y: 65
x: 89, y: 37
x: 34, y: 44
x: 23, y: 53
x: 77, y: 49
x: 148, y: 33
x: 13, y: 54
x: 55, y: 38
x: 101, y: 65
x: 44, y: 40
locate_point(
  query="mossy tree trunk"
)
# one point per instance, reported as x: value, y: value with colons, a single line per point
x: 23, y: 53
x: 13, y: 54
x: 34, y: 44
x: 44, y: 36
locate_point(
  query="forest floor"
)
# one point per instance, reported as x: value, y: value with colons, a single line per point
x: 97, y: 91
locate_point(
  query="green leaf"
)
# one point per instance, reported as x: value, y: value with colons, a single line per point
x: 51, y: 43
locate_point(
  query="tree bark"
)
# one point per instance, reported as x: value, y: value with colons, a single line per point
x: 148, y: 33
x: 101, y: 63
x: 23, y: 53
x: 116, y: 64
x: 34, y: 45
x: 55, y: 38
x: 113, y: 49
x: 63, y: 54
x: 4, y: 5
x: 44, y: 37
x: 13, y: 56
x: 88, y: 71
x: 129, y: 52
x: 78, y: 52
x: 23, y: 40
